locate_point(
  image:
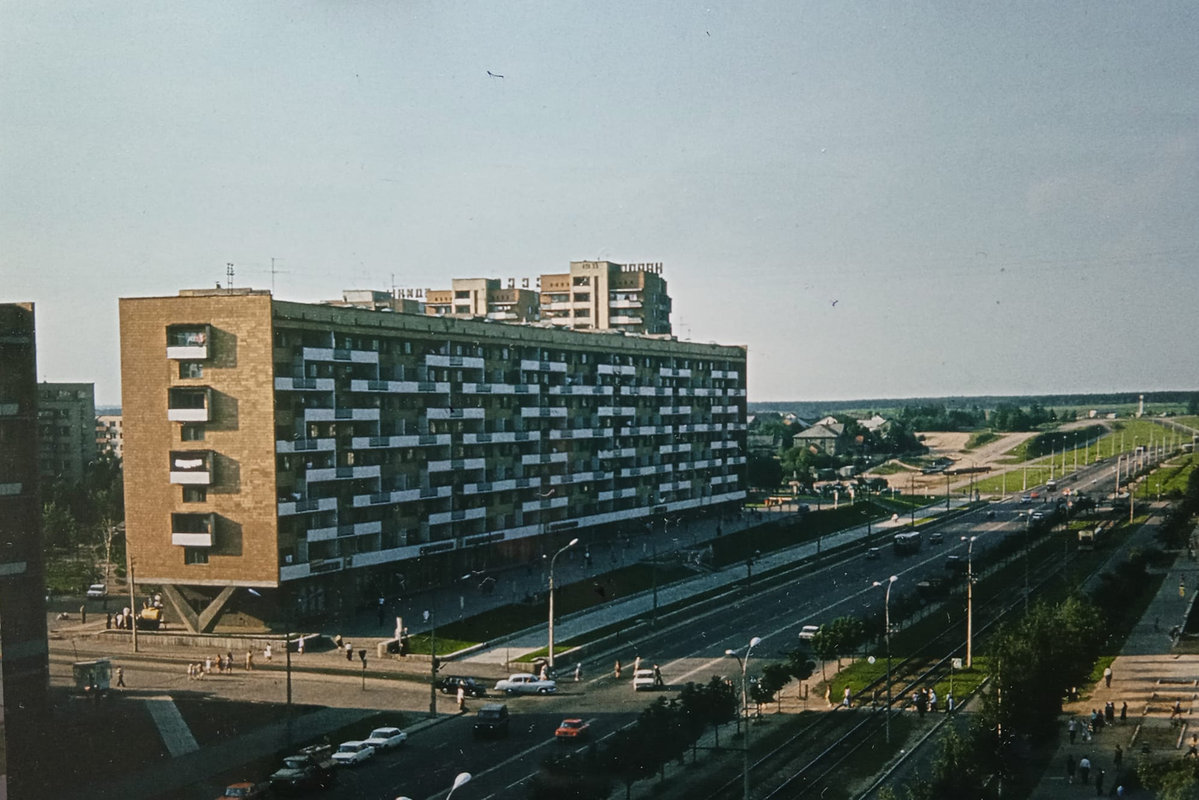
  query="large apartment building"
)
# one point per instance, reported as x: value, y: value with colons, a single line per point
x: 24, y: 656
x: 337, y: 454
x: 66, y: 429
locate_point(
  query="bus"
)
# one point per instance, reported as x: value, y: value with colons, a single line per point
x: 906, y: 543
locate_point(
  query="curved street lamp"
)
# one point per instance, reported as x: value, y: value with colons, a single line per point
x: 887, y: 623
x: 463, y: 778
x: 744, y: 664
x: 561, y: 550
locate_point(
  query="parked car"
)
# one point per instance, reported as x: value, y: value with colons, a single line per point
x: 308, y: 769
x: 97, y: 590
x: 386, y: 738
x: 572, y: 730
x: 492, y: 720
x: 246, y: 790
x: 352, y: 753
x: 472, y: 688
x: 525, y: 683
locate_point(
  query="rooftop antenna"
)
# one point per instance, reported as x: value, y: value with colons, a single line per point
x: 228, y: 274
x: 275, y: 272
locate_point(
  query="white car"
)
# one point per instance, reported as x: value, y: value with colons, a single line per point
x: 643, y: 680
x: 386, y: 738
x: 525, y: 683
x: 97, y: 590
x: 808, y: 632
x: 352, y: 753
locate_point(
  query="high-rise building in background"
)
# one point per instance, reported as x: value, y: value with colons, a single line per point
x: 66, y: 429
x: 24, y: 657
x: 338, y: 454
x: 593, y: 295
x: 110, y: 437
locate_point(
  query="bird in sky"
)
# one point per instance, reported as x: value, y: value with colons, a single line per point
x: 835, y: 303
x: 492, y: 74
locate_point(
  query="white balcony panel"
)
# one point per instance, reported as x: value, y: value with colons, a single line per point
x: 543, y: 458
x: 465, y: 362
x: 303, y: 384
x: 332, y: 354
x: 191, y: 539
x: 500, y: 388
x: 581, y: 390
x: 528, y: 365
x: 617, y: 411
x: 456, y: 413
x: 304, y: 446
x: 187, y: 414
x: 446, y: 517
x: 544, y: 504
x: 340, y: 414
x: 342, y: 473
x: 191, y: 352
x: 501, y: 437
x: 457, y: 464
x: 581, y: 433
x: 616, y: 369
x: 546, y: 412
x: 624, y: 319
x: 290, y: 507
x: 192, y: 478
x: 623, y: 452
x: 391, y: 442
x: 675, y: 448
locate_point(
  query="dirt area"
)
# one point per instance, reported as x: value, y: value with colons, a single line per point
x: 952, y: 445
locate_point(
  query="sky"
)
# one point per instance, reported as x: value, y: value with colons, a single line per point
x: 878, y: 199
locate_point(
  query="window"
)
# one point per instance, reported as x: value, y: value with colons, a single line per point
x: 191, y: 433
x: 195, y: 555
x: 191, y: 369
x: 195, y: 494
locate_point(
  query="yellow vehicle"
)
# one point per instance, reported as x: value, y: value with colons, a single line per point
x: 149, y: 618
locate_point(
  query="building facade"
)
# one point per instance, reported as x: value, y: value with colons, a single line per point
x: 24, y: 656
x: 602, y: 295
x: 483, y: 298
x: 324, y: 456
x: 110, y: 435
x: 66, y: 429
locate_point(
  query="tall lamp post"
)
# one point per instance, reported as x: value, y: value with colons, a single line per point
x: 463, y: 778
x: 969, y: 601
x: 887, y: 623
x: 744, y: 664
x: 561, y: 550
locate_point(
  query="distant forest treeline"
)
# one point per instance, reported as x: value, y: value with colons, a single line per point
x: 809, y: 410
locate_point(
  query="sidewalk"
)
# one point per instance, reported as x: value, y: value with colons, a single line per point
x: 1148, y: 674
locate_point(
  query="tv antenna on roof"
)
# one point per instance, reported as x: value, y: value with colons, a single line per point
x: 228, y: 274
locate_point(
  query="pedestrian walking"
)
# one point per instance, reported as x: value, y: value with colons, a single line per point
x: 349, y: 652
x: 949, y: 703
x: 1176, y: 711
x: 616, y: 670
x: 207, y: 665
x: 1099, y: 783
x: 461, y: 699
x: 83, y: 614
x: 1118, y: 757
x: 1107, y: 677
x: 1109, y: 713
x: 932, y: 700
x: 1070, y: 766
x: 266, y: 651
x: 658, y: 676
x: 121, y: 677
x: 846, y: 698
x: 636, y: 665
x: 1124, y: 712
x: 1072, y: 729
x: 300, y: 645
x: 578, y: 672
x: 1084, y: 770
x: 249, y: 660
x: 544, y: 674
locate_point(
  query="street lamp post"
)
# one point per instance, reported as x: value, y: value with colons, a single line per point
x: 561, y: 550
x: 887, y: 623
x: 744, y: 664
x: 969, y: 601
x: 463, y: 778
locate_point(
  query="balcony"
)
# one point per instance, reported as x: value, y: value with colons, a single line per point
x: 543, y: 458
x: 300, y: 505
x: 337, y: 531
x: 303, y: 384
x: 189, y: 404
x: 675, y: 448
x: 393, y: 442
x: 188, y: 342
x: 544, y: 504
x: 400, y: 387
x: 501, y: 437
x: 544, y: 412
x: 331, y: 354
x: 446, y: 517
x: 581, y: 433
x: 674, y: 372
x: 340, y: 414
x: 465, y: 362
x: 342, y: 473
x: 527, y: 365
x: 191, y: 467
x: 304, y: 446
x: 192, y: 530
x: 456, y: 465
x: 625, y: 319
x: 617, y: 411
x: 615, y: 369
x: 499, y: 388
x: 455, y: 413
x: 401, y: 496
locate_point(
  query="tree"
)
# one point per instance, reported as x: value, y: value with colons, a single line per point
x: 713, y: 703
x: 774, y: 677
x: 763, y: 472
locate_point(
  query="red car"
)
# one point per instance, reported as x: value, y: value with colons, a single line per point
x: 572, y: 730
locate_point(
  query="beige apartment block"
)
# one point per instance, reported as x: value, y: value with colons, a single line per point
x: 323, y: 456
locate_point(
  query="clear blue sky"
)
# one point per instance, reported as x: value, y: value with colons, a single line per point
x: 1000, y: 198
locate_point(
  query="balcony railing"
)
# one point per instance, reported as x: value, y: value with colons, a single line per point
x: 191, y: 467
x: 188, y: 342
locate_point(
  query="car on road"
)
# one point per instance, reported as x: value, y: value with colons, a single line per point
x: 644, y: 680
x: 386, y: 738
x: 307, y: 769
x: 572, y: 730
x: 525, y: 683
x: 246, y: 790
x: 808, y: 632
x: 1026, y: 498
x: 990, y: 513
x: 873, y: 553
x: 492, y: 720
x: 936, y: 537
x: 97, y: 590
x: 471, y: 687
x: 352, y: 753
